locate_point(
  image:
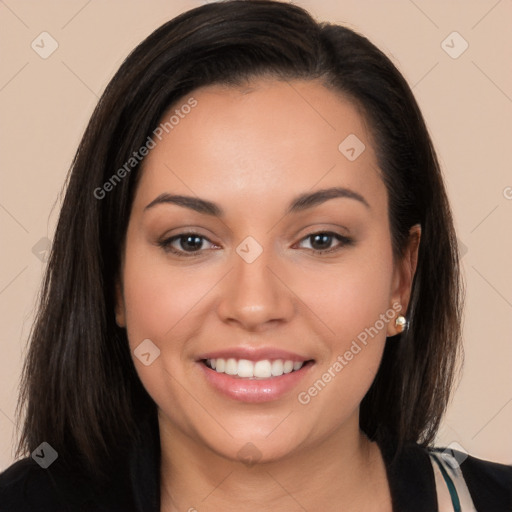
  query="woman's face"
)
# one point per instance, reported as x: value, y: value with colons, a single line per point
x: 251, y: 289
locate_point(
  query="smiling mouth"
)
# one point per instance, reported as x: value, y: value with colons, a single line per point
x: 263, y: 369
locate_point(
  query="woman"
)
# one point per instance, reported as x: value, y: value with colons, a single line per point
x: 253, y: 296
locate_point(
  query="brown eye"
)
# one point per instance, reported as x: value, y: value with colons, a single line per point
x: 184, y: 244
x: 321, y: 242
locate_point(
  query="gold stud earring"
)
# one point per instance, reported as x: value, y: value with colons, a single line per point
x: 400, y: 323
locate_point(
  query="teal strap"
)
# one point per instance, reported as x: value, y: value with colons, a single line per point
x: 453, y: 492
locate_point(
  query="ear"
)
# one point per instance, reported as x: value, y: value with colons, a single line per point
x: 403, y: 275
x: 120, y: 309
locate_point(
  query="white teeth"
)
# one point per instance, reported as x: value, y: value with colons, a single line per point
x: 220, y: 365
x: 277, y: 367
x: 249, y: 369
x: 263, y: 369
x: 231, y: 367
x: 245, y: 368
x: 288, y: 366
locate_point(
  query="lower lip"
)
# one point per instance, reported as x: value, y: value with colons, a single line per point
x: 254, y: 390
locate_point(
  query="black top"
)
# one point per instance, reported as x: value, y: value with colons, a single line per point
x: 27, y: 487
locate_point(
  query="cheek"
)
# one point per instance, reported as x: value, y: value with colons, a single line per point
x: 160, y: 305
x: 352, y: 300
x: 351, y: 296
x: 158, y: 297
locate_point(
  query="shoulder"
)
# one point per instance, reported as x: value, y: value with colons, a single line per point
x: 489, y: 483
x: 26, y: 487
x: 413, y: 484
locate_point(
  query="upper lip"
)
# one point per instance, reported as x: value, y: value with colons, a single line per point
x: 254, y: 354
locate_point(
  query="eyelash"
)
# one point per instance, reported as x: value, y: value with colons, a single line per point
x: 166, y: 243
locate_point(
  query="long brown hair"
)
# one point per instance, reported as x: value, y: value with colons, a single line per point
x: 80, y: 391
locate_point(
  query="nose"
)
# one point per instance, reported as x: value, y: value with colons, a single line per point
x: 255, y: 295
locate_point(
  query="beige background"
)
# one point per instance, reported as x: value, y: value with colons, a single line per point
x: 467, y: 103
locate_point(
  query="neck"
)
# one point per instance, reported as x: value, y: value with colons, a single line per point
x: 344, y: 472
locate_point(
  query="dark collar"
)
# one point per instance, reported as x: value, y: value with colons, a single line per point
x: 410, y: 476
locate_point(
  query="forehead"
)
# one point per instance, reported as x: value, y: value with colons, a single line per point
x: 268, y: 135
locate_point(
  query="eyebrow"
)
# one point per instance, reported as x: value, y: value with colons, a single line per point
x: 298, y: 204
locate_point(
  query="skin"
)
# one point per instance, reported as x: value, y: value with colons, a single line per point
x: 251, y: 150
